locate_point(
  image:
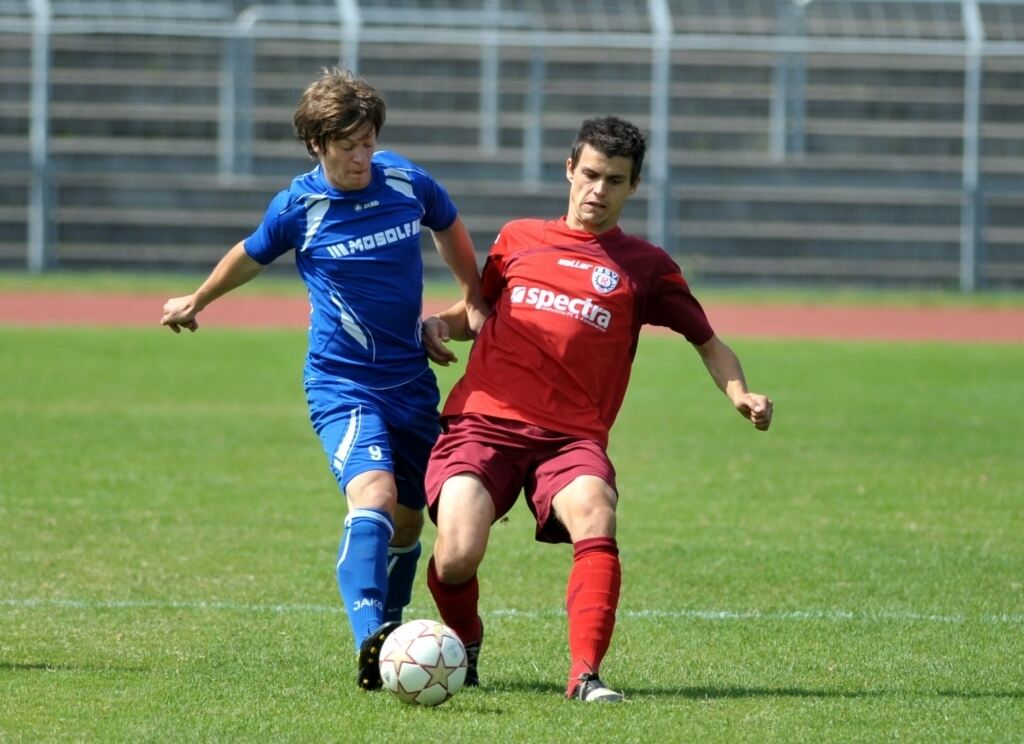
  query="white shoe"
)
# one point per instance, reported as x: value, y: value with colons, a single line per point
x: 592, y: 690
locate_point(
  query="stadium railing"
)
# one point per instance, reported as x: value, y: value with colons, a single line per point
x: 777, y: 161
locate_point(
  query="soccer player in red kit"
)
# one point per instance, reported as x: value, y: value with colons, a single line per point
x: 545, y: 379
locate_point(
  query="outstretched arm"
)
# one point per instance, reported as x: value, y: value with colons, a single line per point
x: 456, y: 248
x: 439, y: 329
x: 725, y: 369
x: 234, y: 270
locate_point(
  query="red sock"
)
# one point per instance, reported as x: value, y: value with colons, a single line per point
x: 457, y: 604
x: 592, y: 596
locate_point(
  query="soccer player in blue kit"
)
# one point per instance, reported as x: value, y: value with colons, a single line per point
x: 354, y: 224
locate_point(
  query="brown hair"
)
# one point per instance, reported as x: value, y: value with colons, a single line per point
x: 612, y: 137
x: 335, y: 106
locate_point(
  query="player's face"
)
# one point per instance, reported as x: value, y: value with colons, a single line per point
x: 346, y: 161
x: 599, y: 187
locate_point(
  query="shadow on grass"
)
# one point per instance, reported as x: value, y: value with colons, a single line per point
x: 701, y: 693
x: 736, y: 693
x: 981, y: 694
x: 42, y: 666
x: 719, y: 693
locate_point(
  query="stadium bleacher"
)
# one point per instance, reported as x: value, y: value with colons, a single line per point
x: 150, y: 166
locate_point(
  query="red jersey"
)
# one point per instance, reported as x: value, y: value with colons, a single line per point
x: 568, y: 308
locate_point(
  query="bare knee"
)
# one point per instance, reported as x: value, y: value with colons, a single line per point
x: 374, y: 489
x: 465, y: 513
x: 587, y: 508
x: 408, y: 526
x: 455, y: 566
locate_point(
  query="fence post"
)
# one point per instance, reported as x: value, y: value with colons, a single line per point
x: 40, y: 207
x: 789, y: 100
x: 659, y: 186
x: 533, y: 133
x: 236, y: 98
x: 351, y: 27
x: 490, y: 73
x: 972, y: 241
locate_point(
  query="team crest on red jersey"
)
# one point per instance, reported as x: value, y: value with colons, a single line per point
x: 604, y: 280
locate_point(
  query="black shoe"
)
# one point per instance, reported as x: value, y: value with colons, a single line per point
x: 369, y: 657
x: 472, y: 657
x: 592, y: 690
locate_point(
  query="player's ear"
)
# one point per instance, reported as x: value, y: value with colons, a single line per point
x: 568, y: 169
x: 634, y: 185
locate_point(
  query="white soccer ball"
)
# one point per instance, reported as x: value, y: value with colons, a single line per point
x: 423, y: 662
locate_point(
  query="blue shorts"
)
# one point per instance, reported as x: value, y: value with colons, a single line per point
x: 363, y: 429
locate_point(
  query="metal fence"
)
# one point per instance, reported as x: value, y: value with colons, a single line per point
x: 644, y: 57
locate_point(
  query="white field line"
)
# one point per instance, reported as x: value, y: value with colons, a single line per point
x: 828, y: 616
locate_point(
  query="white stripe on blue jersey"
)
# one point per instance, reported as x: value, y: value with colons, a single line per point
x: 359, y: 254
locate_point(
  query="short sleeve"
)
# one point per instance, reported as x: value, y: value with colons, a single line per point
x: 492, y: 279
x: 671, y: 304
x: 272, y: 238
x: 439, y: 210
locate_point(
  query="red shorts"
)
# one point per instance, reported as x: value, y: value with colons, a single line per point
x: 513, y: 456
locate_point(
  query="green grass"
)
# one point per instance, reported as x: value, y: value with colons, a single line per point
x: 169, y: 528
x: 278, y: 280
x: 281, y: 279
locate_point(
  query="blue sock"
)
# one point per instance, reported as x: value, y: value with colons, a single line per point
x: 363, y: 570
x: 401, y: 572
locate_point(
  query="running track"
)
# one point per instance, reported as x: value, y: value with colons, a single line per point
x: 730, y: 320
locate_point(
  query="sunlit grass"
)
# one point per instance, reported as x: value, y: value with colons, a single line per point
x: 169, y: 529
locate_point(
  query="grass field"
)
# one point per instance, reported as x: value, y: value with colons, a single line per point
x: 168, y: 528
x: 282, y: 280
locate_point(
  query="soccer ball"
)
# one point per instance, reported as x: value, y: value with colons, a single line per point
x: 423, y: 662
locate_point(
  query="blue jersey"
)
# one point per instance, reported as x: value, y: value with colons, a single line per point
x: 359, y: 254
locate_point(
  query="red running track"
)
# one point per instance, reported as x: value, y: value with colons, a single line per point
x: 772, y: 321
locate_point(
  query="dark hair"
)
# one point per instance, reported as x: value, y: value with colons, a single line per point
x: 335, y: 106
x: 612, y: 137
